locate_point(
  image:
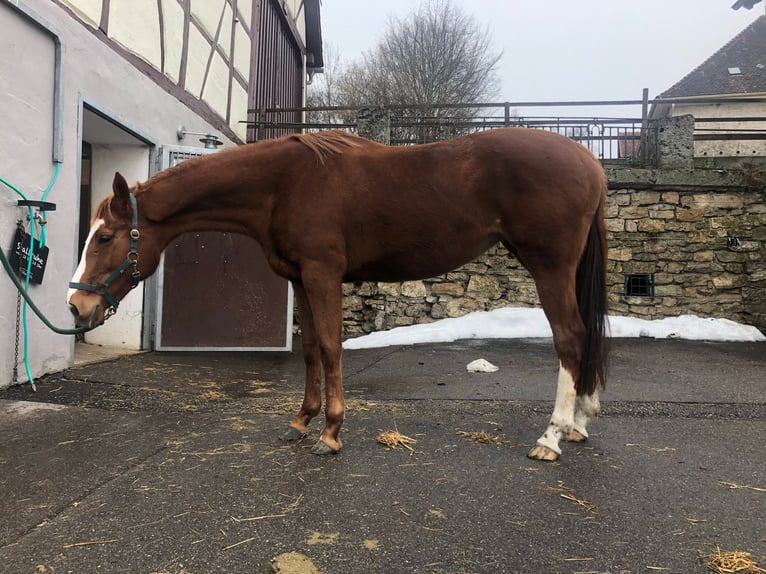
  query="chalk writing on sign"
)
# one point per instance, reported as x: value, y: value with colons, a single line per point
x: 19, y: 257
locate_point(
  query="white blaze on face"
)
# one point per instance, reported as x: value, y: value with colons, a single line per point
x: 81, y: 266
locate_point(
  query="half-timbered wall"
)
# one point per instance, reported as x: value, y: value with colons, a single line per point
x: 203, y: 50
x: 201, y: 47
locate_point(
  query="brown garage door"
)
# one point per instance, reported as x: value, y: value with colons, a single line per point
x: 216, y: 292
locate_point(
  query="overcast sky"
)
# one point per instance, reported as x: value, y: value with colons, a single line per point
x: 555, y: 50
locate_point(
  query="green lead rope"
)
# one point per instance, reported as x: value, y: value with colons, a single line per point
x: 24, y: 289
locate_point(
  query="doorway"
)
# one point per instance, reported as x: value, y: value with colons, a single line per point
x: 106, y: 147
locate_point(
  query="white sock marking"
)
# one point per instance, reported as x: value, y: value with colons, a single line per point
x: 562, y: 419
x: 587, y: 407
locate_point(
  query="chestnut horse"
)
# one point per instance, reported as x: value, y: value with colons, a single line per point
x: 333, y: 207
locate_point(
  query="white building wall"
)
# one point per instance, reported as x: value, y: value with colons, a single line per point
x: 295, y: 9
x: 92, y: 72
x: 173, y: 15
x: 739, y: 148
x: 26, y: 93
x: 136, y: 27
x: 96, y: 74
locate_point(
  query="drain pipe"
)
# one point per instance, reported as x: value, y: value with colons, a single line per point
x: 58, y: 74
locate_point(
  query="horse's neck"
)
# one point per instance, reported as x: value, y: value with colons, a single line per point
x: 209, y: 196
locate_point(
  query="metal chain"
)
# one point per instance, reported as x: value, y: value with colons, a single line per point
x: 22, y: 273
x: 20, y: 225
x: 18, y: 327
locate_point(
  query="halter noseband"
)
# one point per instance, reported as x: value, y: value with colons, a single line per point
x: 130, y: 259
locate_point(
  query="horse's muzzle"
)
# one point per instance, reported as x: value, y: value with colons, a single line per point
x: 90, y: 321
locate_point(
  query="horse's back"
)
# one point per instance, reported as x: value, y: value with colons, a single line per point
x: 506, y: 162
x: 537, y: 158
x: 418, y: 211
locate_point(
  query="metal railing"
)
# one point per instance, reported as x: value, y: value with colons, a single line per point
x: 619, y: 131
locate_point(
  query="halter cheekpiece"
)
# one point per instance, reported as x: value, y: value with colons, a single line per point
x: 130, y: 259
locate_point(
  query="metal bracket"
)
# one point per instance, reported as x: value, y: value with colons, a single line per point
x: 41, y: 205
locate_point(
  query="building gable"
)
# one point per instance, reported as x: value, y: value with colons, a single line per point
x: 739, y: 67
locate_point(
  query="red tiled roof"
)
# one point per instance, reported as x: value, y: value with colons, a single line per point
x: 745, y: 52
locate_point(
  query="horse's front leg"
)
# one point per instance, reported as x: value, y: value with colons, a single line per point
x: 324, y: 297
x: 312, y: 395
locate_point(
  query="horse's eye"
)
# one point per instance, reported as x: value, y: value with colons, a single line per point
x: 104, y: 239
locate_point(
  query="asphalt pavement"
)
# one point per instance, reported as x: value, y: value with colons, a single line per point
x: 172, y: 463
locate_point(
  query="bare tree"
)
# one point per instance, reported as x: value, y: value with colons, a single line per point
x: 436, y: 55
x: 324, y: 92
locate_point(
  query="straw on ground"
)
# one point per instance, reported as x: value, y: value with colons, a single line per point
x: 734, y: 486
x: 482, y: 437
x: 726, y: 562
x: 393, y: 439
x: 568, y: 493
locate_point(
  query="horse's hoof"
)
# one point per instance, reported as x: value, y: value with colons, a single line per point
x: 321, y: 448
x: 540, y: 452
x: 293, y: 434
x: 576, y: 436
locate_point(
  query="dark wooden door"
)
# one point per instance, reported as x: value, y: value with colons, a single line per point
x: 217, y: 292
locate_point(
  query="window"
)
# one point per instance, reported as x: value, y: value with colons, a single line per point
x: 639, y: 285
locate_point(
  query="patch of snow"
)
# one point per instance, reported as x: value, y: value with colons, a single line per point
x: 481, y: 366
x: 526, y: 323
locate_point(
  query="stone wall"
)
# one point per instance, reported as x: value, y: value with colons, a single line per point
x: 702, y: 234
x: 705, y: 245
x: 493, y: 280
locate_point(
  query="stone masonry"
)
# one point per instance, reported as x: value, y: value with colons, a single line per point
x: 705, y: 245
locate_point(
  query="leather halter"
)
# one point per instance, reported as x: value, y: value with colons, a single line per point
x: 130, y: 259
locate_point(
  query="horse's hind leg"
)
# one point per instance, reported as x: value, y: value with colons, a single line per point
x: 557, y: 295
x: 586, y: 408
x: 561, y: 424
x: 312, y: 396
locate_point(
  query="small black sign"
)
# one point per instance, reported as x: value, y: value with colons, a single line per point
x: 19, y: 257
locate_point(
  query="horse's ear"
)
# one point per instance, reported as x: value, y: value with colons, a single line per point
x: 121, y: 199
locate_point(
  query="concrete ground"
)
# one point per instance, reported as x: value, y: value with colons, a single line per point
x: 172, y: 463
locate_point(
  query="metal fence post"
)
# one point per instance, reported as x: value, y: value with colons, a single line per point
x: 644, y: 126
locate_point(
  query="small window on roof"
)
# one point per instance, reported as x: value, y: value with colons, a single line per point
x: 734, y: 71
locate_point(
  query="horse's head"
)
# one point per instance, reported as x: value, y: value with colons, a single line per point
x: 110, y: 265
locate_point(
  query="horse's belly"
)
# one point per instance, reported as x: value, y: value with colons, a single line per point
x: 415, y: 263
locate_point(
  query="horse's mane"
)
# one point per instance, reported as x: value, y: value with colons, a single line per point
x: 323, y: 144
x: 329, y: 143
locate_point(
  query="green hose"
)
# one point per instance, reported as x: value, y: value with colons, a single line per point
x: 35, y: 308
x: 24, y: 289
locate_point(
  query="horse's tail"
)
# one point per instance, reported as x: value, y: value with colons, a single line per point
x: 592, y: 302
